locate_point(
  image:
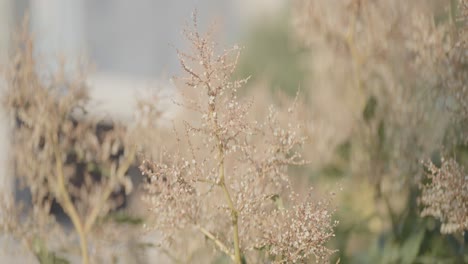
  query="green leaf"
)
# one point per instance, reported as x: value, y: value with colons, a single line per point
x: 124, y: 218
x: 332, y: 170
x: 274, y: 197
x: 45, y: 256
x: 369, y: 109
x: 344, y: 150
x: 390, y: 253
x: 381, y: 134
x: 410, y: 248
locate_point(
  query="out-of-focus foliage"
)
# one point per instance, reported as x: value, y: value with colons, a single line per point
x: 68, y: 160
x: 271, y: 55
x: 400, y: 67
x: 385, y: 86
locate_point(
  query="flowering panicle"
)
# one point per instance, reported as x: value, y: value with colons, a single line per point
x: 235, y: 170
x: 445, y: 196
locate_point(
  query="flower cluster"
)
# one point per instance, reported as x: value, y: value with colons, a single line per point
x: 291, y: 235
x: 231, y: 185
x: 445, y: 196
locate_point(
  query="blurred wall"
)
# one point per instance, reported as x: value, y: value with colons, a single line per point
x: 6, y: 21
x: 58, y: 30
x: 5, y: 25
x: 136, y: 37
x: 139, y: 37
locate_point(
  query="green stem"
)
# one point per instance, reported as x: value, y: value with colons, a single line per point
x: 222, y: 184
x: 217, y: 242
x: 234, y: 213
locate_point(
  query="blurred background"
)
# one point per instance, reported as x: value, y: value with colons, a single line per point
x: 129, y: 45
x: 126, y: 46
x: 369, y: 76
x: 134, y: 38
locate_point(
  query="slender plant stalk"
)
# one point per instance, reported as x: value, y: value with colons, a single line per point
x: 217, y: 242
x: 234, y: 213
x: 91, y: 219
x: 357, y: 60
x: 222, y: 184
x: 67, y: 204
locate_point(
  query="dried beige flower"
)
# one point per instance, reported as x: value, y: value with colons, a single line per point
x: 445, y: 196
x: 61, y: 154
x: 231, y: 185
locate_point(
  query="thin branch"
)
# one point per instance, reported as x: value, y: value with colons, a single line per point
x: 67, y: 204
x: 217, y: 242
x: 91, y: 219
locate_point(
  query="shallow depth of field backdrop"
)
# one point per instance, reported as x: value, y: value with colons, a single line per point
x: 380, y: 89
